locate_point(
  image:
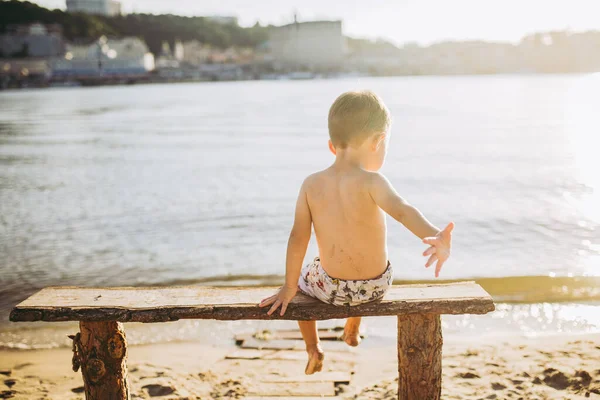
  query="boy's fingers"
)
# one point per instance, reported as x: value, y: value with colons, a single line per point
x: 449, y: 227
x: 267, y: 301
x: 438, y: 268
x: 283, y: 308
x: 431, y: 240
x: 275, y: 306
x: 431, y: 250
x: 431, y: 260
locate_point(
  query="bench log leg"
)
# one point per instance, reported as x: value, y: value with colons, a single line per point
x: 102, y: 355
x: 419, y: 357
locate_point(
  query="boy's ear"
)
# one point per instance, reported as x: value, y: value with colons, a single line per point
x: 378, y: 140
x: 331, y: 148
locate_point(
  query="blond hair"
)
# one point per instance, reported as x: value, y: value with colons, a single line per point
x: 355, y: 116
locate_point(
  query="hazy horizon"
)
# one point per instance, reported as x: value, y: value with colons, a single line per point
x: 425, y: 22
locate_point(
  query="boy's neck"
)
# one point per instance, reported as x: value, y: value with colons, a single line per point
x: 348, y: 158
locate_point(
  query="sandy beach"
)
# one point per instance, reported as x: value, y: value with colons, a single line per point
x: 557, y: 367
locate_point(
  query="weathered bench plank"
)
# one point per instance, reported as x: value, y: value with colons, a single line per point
x: 161, y: 304
x: 100, y: 348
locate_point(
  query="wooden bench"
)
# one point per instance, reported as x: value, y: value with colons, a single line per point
x: 100, y: 347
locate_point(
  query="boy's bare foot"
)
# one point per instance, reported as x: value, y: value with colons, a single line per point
x: 352, y: 332
x: 315, y: 360
x: 351, y: 338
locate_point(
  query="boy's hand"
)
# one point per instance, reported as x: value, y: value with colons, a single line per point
x: 439, y: 249
x: 282, y: 298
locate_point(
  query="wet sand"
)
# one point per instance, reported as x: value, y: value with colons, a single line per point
x: 557, y: 367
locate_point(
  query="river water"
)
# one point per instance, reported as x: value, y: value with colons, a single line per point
x: 196, y: 184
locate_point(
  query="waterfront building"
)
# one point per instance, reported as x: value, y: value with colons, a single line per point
x: 32, y: 40
x: 196, y: 53
x: 313, y: 45
x: 127, y: 57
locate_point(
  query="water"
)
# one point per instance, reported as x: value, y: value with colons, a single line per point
x: 196, y: 183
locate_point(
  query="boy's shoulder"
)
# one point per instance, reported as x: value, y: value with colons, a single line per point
x: 361, y: 177
x: 314, y: 178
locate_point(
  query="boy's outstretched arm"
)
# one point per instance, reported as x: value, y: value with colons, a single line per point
x: 440, y: 241
x: 296, y: 250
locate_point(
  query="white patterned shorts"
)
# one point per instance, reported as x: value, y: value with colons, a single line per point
x: 315, y: 282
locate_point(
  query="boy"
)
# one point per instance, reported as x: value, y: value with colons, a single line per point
x: 346, y: 203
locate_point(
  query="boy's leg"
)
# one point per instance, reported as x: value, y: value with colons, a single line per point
x: 313, y: 346
x: 351, y: 331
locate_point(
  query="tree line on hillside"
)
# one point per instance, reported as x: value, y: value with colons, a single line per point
x: 153, y: 29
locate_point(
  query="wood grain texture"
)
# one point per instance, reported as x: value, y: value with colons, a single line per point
x: 163, y: 304
x: 104, y: 361
x: 419, y: 357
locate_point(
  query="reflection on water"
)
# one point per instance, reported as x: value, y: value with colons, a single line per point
x: 583, y: 122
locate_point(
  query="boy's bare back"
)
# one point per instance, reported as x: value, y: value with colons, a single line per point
x: 349, y: 226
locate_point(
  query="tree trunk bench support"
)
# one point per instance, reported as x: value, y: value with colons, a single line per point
x: 100, y: 348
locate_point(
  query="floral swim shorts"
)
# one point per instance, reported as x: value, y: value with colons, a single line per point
x: 315, y: 282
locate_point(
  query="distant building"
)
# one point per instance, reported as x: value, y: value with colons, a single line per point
x: 373, y: 56
x: 178, y: 50
x: 316, y: 44
x: 101, y: 7
x: 33, y: 70
x: 195, y: 52
x: 125, y: 57
x: 32, y: 40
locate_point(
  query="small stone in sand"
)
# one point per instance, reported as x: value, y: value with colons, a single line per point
x: 78, y: 389
x: 498, y: 386
x: 585, y: 376
x: 468, y: 375
x: 7, y: 394
x: 10, y: 382
x: 158, y: 390
x: 556, y: 379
